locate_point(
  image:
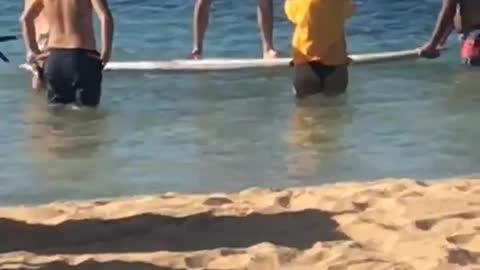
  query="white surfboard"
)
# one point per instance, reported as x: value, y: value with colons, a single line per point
x: 219, y: 64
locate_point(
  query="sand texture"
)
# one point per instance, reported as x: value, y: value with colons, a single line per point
x: 390, y: 224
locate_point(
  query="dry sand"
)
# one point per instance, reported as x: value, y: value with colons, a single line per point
x: 388, y: 224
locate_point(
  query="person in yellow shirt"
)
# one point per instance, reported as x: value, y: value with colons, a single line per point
x: 319, y: 49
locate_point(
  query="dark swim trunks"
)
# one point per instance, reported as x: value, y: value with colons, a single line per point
x: 470, y: 48
x: 315, y: 78
x: 73, y: 76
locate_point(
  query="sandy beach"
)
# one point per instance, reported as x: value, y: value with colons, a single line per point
x: 389, y: 224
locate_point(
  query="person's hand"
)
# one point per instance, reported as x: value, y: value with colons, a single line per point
x: 105, y: 57
x: 37, y: 58
x: 429, y: 51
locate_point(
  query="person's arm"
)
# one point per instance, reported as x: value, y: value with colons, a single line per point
x: 444, y: 39
x: 349, y: 9
x: 28, y: 28
x: 294, y: 11
x: 106, y: 28
x: 444, y: 24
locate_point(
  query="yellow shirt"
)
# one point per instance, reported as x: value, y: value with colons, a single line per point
x: 319, y: 33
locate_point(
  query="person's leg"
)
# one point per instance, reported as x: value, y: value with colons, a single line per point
x: 56, y: 76
x: 457, y: 21
x: 37, y: 84
x: 336, y: 83
x: 201, y: 13
x: 36, y: 74
x: 265, y: 25
x: 88, y: 78
x: 37, y: 79
x: 309, y: 79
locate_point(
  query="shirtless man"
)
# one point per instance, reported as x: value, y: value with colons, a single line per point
x: 72, y: 66
x: 201, y: 14
x: 41, y: 30
x: 464, y: 16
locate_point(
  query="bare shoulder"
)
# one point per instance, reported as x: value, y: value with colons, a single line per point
x: 29, y: 3
x: 32, y: 8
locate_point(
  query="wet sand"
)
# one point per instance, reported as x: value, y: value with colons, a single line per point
x: 389, y: 224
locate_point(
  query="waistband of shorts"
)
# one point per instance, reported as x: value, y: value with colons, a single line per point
x: 72, y: 50
x: 316, y: 64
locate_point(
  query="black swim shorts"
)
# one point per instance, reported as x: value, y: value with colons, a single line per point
x: 73, y: 76
x: 315, y: 78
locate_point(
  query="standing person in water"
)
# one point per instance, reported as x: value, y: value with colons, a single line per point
x: 201, y: 15
x: 464, y: 16
x: 319, y: 47
x: 41, y: 31
x: 72, y: 66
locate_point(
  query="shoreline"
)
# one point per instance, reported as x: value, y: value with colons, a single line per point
x: 382, y: 224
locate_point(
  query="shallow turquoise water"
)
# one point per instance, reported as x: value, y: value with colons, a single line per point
x: 228, y: 131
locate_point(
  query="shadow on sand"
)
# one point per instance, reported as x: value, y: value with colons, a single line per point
x: 92, y: 265
x: 150, y: 232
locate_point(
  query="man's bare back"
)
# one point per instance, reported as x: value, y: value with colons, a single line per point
x: 70, y: 24
x: 72, y: 66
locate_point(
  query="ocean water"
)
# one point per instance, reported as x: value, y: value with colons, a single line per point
x: 209, y: 132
